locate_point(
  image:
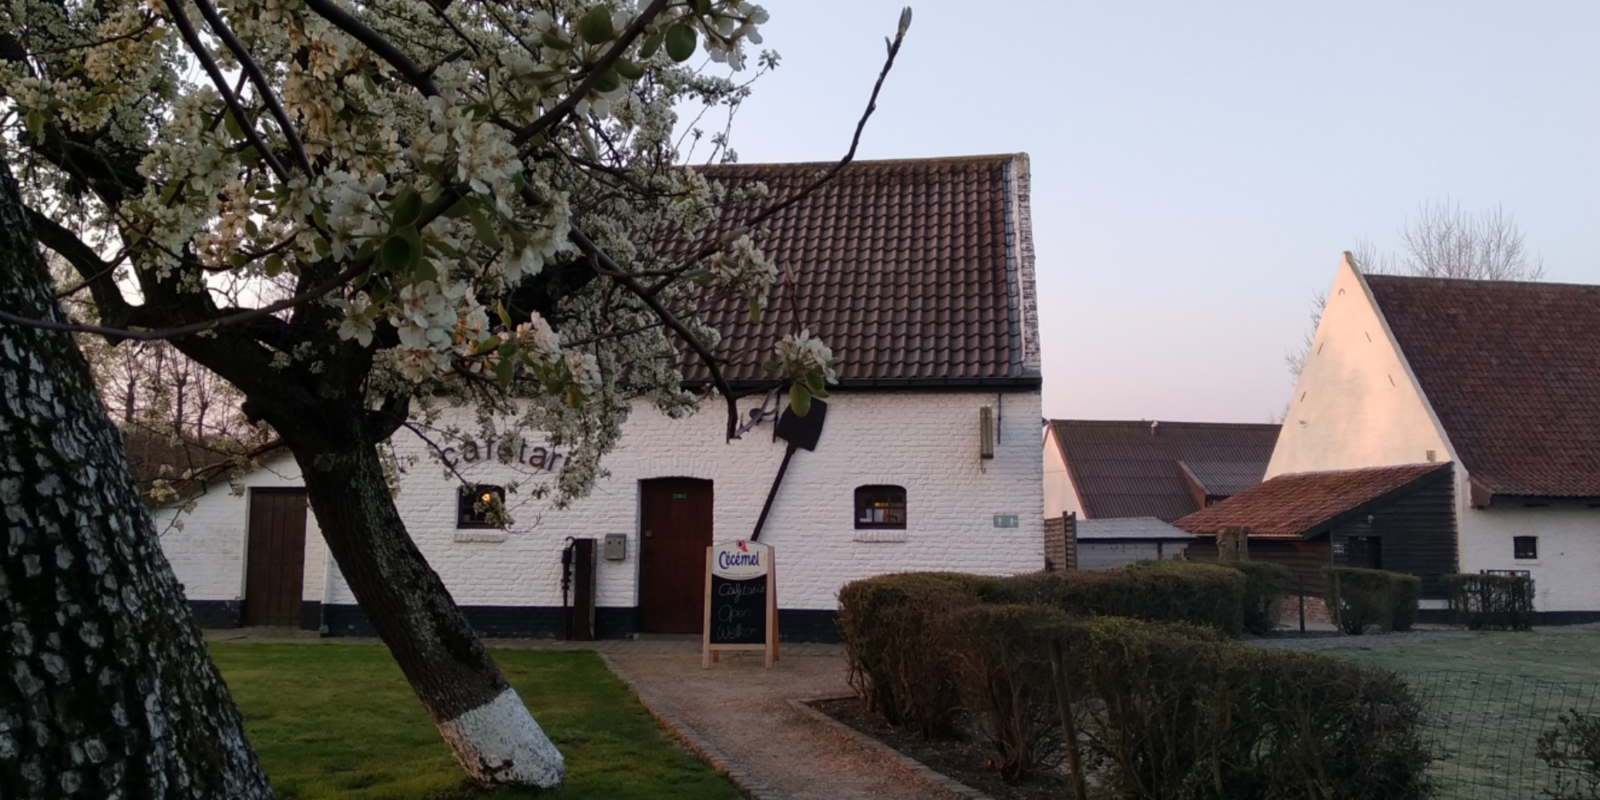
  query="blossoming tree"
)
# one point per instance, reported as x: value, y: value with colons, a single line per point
x: 463, y: 198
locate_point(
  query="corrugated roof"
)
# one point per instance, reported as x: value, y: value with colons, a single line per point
x: 1128, y: 528
x: 1513, y: 372
x: 1131, y: 469
x: 1292, y: 506
x: 915, y: 270
x: 1224, y: 478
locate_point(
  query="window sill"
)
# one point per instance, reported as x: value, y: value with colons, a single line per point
x: 489, y: 535
x: 872, y: 535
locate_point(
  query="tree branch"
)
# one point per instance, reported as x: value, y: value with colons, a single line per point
x: 605, y: 266
x: 550, y: 118
x: 358, y: 30
x: 251, y: 69
x: 94, y: 271
x: 850, y: 155
x: 199, y: 327
x: 198, y: 49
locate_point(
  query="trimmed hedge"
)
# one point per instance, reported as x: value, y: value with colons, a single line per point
x: 1177, y: 715
x: 1164, y: 709
x: 1492, y: 601
x: 1157, y: 591
x: 1168, y: 710
x: 1264, y: 583
x: 1359, y: 598
x: 890, y: 627
x: 1000, y: 656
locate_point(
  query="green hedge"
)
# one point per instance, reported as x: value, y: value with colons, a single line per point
x: 890, y: 627
x: 1361, y: 598
x: 1000, y: 657
x: 1167, y: 710
x: 1177, y: 715
x: 1492, y: 601
x: 1264, y: 584
x: 1163, y: 709
x: 1155, y: 591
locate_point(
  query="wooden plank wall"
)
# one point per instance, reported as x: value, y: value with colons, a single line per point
x: 1418, y: 532
x: 1061, y: 542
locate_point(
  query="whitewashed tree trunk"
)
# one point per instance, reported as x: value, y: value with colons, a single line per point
x: 107, y: 690
x: 490, y: 731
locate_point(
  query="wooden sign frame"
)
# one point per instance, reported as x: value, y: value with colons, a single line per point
x: 711, y: 652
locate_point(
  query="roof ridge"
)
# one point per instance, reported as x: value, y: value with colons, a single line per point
x: 1385, y: 277
x: 980, y: 158
x: 1146, y: 423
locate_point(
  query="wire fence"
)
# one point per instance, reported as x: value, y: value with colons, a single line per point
x: 1484, y: 731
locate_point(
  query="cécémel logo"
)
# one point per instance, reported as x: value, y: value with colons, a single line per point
x: 740, y: 559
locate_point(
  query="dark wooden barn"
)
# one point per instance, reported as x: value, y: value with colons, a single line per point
x: 1395, y: 518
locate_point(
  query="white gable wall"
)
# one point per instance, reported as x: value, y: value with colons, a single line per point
x: 1060, y: 495
x: 1357, y: 403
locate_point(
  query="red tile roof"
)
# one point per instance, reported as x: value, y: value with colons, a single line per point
x: 1293, y: 506
x: 1513, y: 372
x: 912, y: 271
x: 1136, y: 469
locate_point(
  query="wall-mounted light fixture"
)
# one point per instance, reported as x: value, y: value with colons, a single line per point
x: 986, y: 432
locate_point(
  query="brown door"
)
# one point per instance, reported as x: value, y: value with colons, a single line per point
x: 674, y: 532
x: 276, y: 557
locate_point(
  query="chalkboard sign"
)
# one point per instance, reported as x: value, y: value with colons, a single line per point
x: 741, y: 606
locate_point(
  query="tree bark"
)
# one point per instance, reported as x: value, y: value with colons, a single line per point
x: 107, y: 689
x: 490, y: 731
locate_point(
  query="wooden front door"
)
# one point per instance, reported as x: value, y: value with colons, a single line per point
x: 674, y: 532
x: 275, y: 558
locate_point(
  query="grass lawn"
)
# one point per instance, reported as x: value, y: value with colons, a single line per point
x: 339, y: 721
x: 1488, y: 698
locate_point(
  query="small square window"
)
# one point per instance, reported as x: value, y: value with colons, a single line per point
x: 1525, y: 546
x: 881, y: 507
x: 477, y: 504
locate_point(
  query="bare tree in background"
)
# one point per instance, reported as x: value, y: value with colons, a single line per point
x: 1442, y: 242
x: 1446, y: 242
x: 180, y: 421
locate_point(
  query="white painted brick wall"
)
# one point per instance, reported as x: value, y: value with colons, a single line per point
x: 1569, y: 549
x: 206, y: 546
x: 924, y: 441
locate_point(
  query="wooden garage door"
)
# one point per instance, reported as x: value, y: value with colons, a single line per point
x: 675, y: 530
x: 276, y: 557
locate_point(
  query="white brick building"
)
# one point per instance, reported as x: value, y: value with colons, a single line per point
x: 918, y: 273
x: 1500, y: 380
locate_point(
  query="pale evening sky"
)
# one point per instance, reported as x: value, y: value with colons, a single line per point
x: 1197, y: 168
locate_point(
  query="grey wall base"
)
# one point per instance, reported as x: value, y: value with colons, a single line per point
x: 508, y: 622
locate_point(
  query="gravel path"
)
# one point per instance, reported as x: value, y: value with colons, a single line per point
x: 739, y: 715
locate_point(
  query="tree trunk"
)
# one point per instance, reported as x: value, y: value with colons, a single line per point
x: 107, y: 689
x: 491, y: 732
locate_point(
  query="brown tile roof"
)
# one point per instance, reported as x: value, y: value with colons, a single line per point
x: 1512, y: 370
x: 1298, y: 505
x: 1129, y: 469
x: 912, y: 271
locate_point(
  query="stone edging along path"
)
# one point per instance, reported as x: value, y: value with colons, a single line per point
x: 915, y: 766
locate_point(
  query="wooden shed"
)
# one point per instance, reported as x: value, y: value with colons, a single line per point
x: 1395, y: 518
